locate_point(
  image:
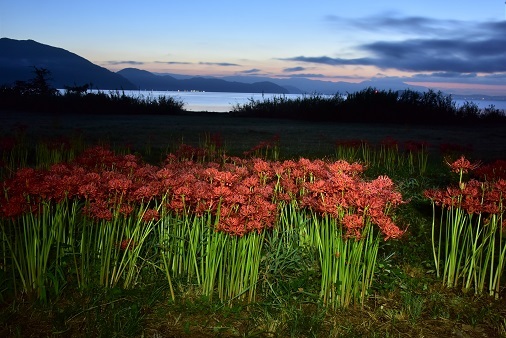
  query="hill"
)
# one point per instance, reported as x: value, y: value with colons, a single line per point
x: 18, y: 57
x: 146, y: 80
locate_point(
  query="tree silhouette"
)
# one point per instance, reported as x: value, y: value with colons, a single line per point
x: 39, y: 85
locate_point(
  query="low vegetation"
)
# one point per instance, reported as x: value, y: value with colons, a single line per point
x: 37, y: 95
x: 373, y: 106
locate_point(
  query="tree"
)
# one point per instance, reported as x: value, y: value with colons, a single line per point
x: 39, y: 85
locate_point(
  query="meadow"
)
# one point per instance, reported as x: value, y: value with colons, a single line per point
x: 135, y: 218
x: 129, y: 261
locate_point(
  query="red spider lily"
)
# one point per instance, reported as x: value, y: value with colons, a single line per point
x: 261, y: 167
x: 98, y: 210
x: 263, y: 145
x: 389, y: 228
x: 435, y: 195
x: 125, y: 209
x: 415, y: 146
x: 500, y: 186
x: 216, y: 139
x: 250, y: 182
x: 7, y: 144
x: 120, y: 185
x: 246, y: 191
x: 51, y: 188
x: 493, y: 171
x: 151, y: 215
x: 342, y: 191
x: 342, y: 166
x: 146, y: 172
x: 462, y: 165
x: 89, y: 190
x: 60, y: 143
x: 127, y: 244
x: 13, y: 207
x: 188, y: 152
x: 474, y: 197
x: 353, y: 224
x: 146, y: 193
x: 389, y: 143
x: 96, y: 157
x: 222, y: 192
x: 354, y: 143
x: 225, y: 178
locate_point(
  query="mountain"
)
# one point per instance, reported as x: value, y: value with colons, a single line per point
x: 299, y: 85
x: 18, y: 57
x: 146, y: 80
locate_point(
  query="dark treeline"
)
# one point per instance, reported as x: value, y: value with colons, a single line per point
x: 373, y: 105
x: 37, y: 95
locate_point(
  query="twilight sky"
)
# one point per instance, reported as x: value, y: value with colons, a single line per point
x: 442, y: 44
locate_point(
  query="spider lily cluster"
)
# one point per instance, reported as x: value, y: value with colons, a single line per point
x: 469, y: 245
x: 103, y: 218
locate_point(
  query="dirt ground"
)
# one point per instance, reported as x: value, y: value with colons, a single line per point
x: 240, y: 134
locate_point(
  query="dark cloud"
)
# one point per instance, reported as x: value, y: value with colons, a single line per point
x: 174, y: 62
x: 425, y: 45
x: 223, y: 64
x: 293, y: 69
x: 472, y: 78
x: 332, y: 61
x: 251, y: 71
x: 501, y: 76
x: 487, y: 55
x: 448, y: 75
x: 391, y: 23
x: 115, y: 63
x: 309, y: 75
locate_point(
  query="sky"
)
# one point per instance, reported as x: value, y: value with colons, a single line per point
x: 456, y: 46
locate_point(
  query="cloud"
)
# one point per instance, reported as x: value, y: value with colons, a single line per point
x: 500, y: 76
x: 309, y: 75
x: 418, y: 44
x: 472, y: 78
x: 448, y: 75
x: 115, y: 63
x: 174, y: 62
x: 332, y: 61
x: 392, y: 23
x: 223, y: 64
x: 251, y: 71
x: 293, y: 69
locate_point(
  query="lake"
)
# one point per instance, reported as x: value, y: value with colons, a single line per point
x: 224, y: 102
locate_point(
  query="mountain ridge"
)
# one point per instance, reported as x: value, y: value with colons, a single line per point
x: 147, y: 80
x: 18, y: 57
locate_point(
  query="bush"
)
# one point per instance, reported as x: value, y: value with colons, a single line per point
x: 371, y: 105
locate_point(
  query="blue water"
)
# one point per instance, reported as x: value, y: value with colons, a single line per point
x: 210, y: 101
x: 225, y: 102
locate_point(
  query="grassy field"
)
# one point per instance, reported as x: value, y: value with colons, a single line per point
x: 297, y: 138
x: 407, y: 300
